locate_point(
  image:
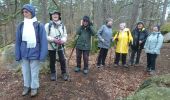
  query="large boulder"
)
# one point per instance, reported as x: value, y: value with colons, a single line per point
x: 167, y: 37
x: 7, y: 59
x: 155, y: 88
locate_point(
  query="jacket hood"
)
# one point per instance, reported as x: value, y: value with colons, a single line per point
x: 30, y: 8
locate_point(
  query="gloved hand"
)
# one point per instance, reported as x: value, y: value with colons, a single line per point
x: 58, y: 41
x: 102, y: 40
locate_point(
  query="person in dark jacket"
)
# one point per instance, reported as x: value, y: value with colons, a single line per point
x: 105, y: 38
x: 30, y: 49
x: 83, y: 44
x: 57, y: 37
x: 139, y: 35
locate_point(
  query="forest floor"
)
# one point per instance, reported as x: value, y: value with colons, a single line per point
x: 107, y: 83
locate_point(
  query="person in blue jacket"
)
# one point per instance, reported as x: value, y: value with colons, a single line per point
x: 104, y: 35
x: 152, y: 48
x: 31, y: 49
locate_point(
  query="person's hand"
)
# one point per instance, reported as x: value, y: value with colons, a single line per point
x: 56, y: 40
x: 140, y: 42
x: 102, y: 40
x: 60, y: 42
x: 81, y: 22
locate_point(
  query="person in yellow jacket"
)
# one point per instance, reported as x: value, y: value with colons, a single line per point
x: 122, y: 38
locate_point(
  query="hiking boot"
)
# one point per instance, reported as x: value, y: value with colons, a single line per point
x: 34, y: 92
x: 77, y: 69
x: 126, y: 66
x: 116, y: 65
x: 65, y: 76
x: 98, y: 66
x: 152, y: 72
x: 25, y: 91
x: 53, y: 76
x: 85, y: 71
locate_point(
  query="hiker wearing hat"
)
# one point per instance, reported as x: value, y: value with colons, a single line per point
x: 152, y: 48
x: 122, y: 40
x: 30, y: 49
x: 139, y: 35
x: 57, y: 37
x: 83, y: 44
x: 104, y: 35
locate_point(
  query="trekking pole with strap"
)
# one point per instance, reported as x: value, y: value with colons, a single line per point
x: 72, y: 50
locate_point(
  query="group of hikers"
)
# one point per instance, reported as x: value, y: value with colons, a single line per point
x: 34, y: 41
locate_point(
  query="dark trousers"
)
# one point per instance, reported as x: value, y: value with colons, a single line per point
x: 85, y: 57
x: 102, y: 56
x: 122, y: 56
x: 151, y: 60
x: 136, y: 52
x: 62, y: 60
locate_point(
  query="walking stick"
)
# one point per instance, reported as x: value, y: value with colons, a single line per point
x: 72, y: 51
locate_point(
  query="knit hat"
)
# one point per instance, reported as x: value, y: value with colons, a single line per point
x: 140, y: 22
x: 108, y: 20
x: 30, y: 8
x: 55, y: 12
x: 86, y: 18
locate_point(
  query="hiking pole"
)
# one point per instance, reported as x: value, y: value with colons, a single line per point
x: 72, y: 50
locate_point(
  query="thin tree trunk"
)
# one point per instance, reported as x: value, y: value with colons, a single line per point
x: 164, y: 11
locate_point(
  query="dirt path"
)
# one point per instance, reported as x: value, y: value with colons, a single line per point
x: 105, y: 83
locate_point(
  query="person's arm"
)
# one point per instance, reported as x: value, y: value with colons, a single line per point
x: 43, y: 43
x: 145, y: 37
x: 49, y: 38
x: 64, y: 35
x: 18, y: 43
x: 160, y: 42
x: 99, y: 34
x: 130, y: 37
x: 93, y: 33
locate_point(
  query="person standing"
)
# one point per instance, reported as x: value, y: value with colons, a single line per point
x: 57, y: 37
x: 122, y: 38
x: 152, y: 48
x: 105, y: 38
x: 83, y: 44
x: 139, y: 35
x: 30, y: 49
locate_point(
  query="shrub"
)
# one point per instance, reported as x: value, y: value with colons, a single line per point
x: 165, y: 28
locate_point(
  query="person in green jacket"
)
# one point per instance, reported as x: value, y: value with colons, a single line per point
x: 83, y: 44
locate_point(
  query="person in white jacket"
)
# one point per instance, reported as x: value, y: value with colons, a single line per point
x: 56, y: 36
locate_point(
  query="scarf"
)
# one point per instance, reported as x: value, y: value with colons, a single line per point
x: 29, y: 32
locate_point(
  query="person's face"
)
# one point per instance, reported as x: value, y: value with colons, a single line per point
x: 26, y: 14
x: 122, y: 26
x: 140, y: 26
x: 85, y: 23
x: 155, y: 29
x: 55, y: 17
x: 110, y: 23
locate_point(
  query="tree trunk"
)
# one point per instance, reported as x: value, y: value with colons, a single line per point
x: 164, y: 11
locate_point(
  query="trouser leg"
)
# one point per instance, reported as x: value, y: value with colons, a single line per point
x: 26, y: 72
x: 62, y: 59
x: 86, y: 58
x: 124, y: 55
x: 117, y: 58
x: 52, y: 55
x: 35, y: 66
x: 78, y: 57
x: 105, y: 51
